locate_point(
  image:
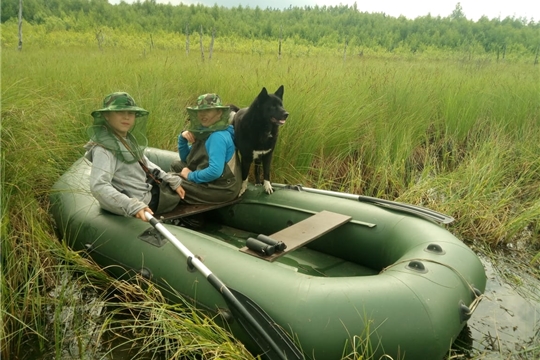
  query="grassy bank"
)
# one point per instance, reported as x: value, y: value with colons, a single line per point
x: 458, y: 137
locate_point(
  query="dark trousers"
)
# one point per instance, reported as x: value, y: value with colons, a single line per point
x: 154, y: 202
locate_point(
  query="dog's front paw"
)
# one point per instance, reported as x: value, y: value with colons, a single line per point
x: 243, y: 188
x: 268, y: 187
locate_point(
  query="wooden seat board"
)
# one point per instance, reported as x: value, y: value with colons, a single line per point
x: 303, y: 232
x: 183, y: 209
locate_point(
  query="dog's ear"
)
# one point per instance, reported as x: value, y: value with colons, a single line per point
x: 233, y: 107
x: 279, y: 92
x: 263, y: 95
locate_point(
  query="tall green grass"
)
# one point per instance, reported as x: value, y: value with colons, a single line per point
x: 458, y: 137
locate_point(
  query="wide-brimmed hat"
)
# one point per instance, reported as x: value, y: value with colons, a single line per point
x: 207, y: 102
x: 119, y: 101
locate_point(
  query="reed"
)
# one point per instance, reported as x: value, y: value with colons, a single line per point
x: 458, y: 137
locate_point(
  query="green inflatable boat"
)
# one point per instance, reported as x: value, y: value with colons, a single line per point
x: 329, y: 270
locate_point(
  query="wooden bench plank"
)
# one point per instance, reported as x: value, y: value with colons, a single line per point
x: 303, y: 232
x: 183, y: 209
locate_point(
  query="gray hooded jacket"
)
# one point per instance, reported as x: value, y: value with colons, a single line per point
x: 119, y: 187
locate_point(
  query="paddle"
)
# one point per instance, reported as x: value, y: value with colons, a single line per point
x: 412, y: 209
x: 272, y: 340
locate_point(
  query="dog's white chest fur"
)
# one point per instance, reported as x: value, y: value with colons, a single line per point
x: 257, y: 153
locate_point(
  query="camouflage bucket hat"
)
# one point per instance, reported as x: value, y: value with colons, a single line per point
x: 119, y: 101
x: 208, y: 101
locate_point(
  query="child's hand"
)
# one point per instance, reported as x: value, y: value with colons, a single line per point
x: 188, y: 135
x: 181, y: 191
x: 185, y: 172
x: 140, y: 214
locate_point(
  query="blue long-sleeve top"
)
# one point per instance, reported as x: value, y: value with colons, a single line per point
x: 220, y: 149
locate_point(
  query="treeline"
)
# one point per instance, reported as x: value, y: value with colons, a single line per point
x: 312, y: 26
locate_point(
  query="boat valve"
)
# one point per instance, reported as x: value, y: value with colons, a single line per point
x: 435, y: 248
x: 417, y: 266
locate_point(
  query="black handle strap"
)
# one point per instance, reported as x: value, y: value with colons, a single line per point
x: 144, y: 167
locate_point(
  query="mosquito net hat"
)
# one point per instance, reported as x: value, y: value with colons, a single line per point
x: 131, y: 148
x: 207, y: 102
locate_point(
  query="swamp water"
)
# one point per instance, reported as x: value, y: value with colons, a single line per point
x: 505, y: 325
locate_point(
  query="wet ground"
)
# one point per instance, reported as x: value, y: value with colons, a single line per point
x: 506, y: 324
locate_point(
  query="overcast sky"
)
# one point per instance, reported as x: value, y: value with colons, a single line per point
x: 473, y: 9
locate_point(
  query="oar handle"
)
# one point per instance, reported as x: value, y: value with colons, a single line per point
x: 408, y: 208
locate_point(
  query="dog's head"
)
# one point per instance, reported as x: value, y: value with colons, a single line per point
x: 271, y: 105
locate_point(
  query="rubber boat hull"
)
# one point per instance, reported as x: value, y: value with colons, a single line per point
x: 401, y: 282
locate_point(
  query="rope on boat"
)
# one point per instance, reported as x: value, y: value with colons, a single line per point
x: 477, y: 297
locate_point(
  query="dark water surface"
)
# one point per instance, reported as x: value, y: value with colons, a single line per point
x: 506, y: 324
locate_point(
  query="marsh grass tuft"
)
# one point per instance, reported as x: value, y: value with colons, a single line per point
x: 175, y: 331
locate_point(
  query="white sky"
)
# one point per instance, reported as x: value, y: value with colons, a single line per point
x: 473, y: 9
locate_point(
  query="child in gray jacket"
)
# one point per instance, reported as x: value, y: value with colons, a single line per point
x: 122, y: 178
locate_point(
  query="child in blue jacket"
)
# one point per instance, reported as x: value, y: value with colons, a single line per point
x: 208, y: 162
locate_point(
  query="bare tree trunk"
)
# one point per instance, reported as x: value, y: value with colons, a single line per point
x: 279, y: 48
x: 99, y: 38
x: 212, y: 43
x: 200, y: 41
x: 187, y: 39
x: 151, y: 42
x: 536, y: 57
x: 345, y: 50
x: 20, y: 25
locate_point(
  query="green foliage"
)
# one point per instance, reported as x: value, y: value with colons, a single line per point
x: 311, y: 26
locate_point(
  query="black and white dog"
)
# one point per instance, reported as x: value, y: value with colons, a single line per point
x: 256, y: 131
